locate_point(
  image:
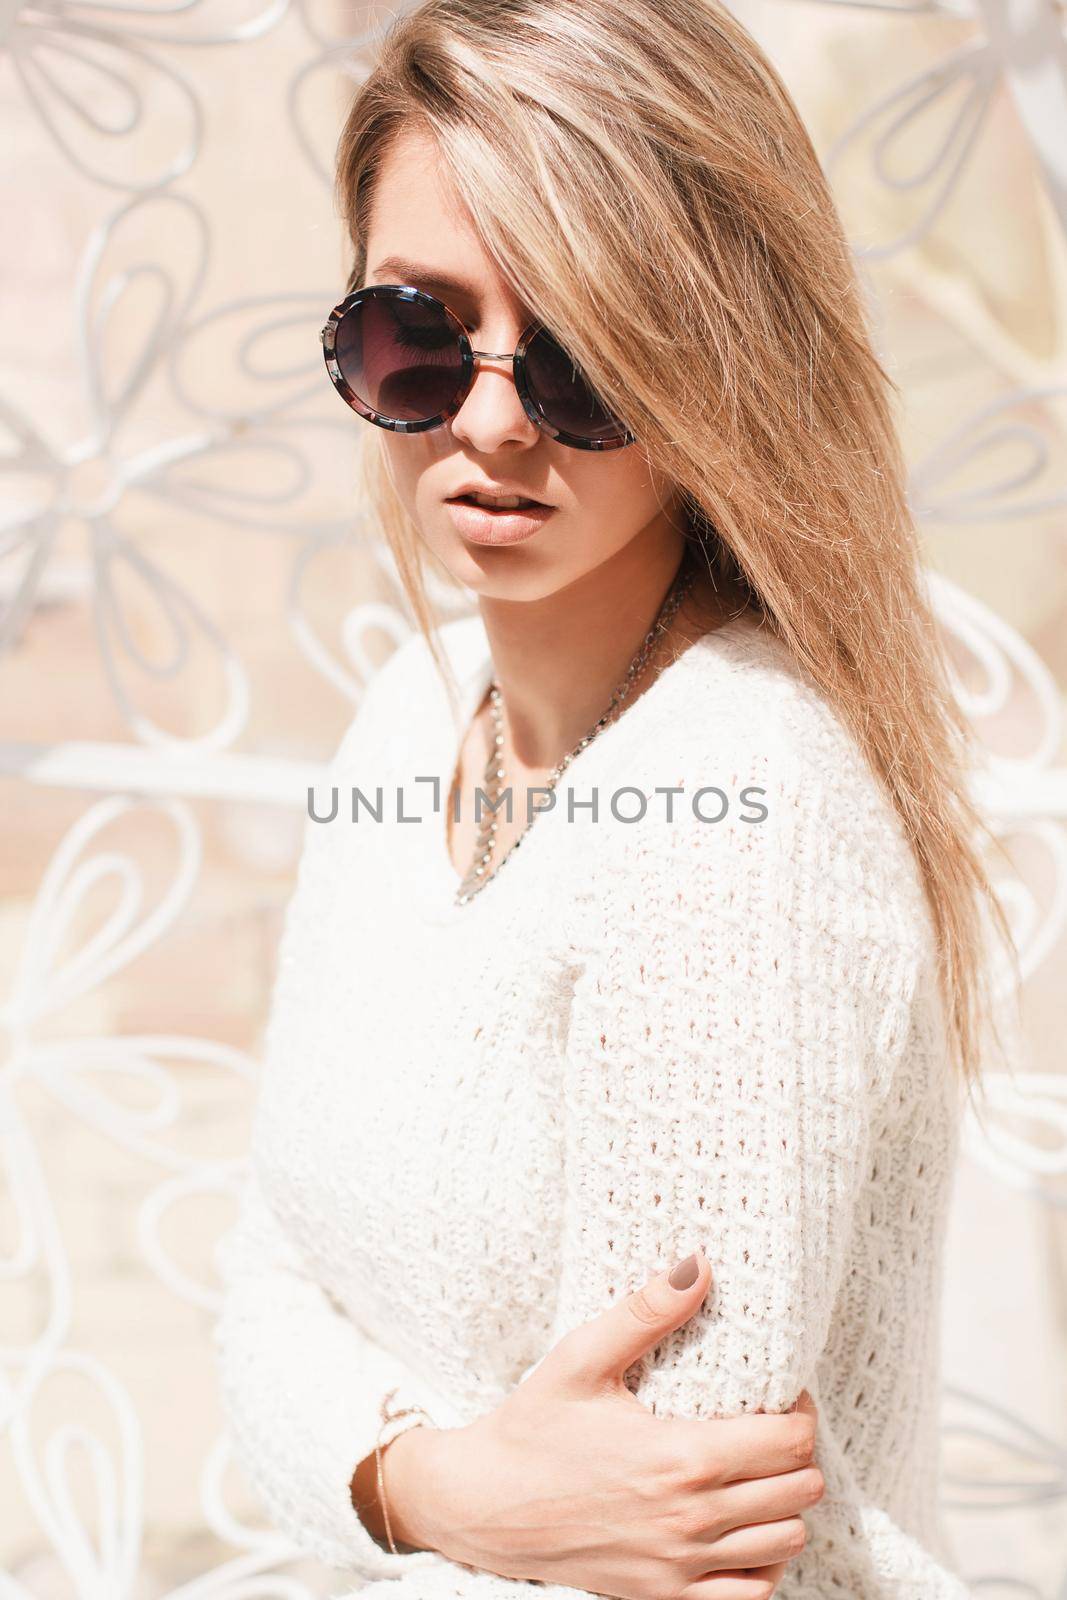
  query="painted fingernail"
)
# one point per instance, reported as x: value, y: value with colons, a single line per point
x: 684, y: 1275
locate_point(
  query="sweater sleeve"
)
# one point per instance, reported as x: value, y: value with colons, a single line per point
x: 301, y: 1383
x: 742, y: 998
x: 301, y: 1387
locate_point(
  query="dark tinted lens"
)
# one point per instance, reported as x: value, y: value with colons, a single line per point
x: 400, y: 357
x: 563, y: 395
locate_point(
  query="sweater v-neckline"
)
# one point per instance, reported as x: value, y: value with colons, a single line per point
x: 442, y: 879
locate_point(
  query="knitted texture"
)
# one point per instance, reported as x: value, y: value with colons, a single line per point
x: 478, y: 1126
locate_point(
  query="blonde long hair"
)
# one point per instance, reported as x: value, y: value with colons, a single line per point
x: 642, y: 180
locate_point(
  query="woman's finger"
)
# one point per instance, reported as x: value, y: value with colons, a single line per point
x: 744, y: 1584
x: 758, y: 1544
x: 786, y: 1494
x: 753, y: 1445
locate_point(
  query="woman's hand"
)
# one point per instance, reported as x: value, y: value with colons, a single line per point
x: 572, y: 1480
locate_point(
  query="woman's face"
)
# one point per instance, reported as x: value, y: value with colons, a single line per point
x: 600, y: 500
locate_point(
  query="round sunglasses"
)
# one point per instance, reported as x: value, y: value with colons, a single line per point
x: 404, y: 361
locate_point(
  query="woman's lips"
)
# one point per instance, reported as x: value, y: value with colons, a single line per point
x: 511, y: 525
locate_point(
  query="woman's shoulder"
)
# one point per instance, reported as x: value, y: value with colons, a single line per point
x: 761, y: 696
x: 462, y: 641
x: 407, y: 686
x: 748, y: 728
x: 797, y: 873
x: 755, y: 706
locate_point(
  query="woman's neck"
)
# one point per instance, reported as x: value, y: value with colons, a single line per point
x: 559, y: 660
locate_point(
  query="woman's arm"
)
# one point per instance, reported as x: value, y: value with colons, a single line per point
x: 302, y: 1386
x: 742, y: 1001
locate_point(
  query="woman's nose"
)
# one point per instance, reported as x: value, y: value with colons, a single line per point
x: 492, y: 414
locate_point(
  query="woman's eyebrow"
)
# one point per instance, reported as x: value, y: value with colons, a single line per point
x: 425, y: 277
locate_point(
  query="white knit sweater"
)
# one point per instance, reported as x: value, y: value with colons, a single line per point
x: 478, y: 1125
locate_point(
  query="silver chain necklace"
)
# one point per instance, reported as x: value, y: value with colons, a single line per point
x: 477, y: 874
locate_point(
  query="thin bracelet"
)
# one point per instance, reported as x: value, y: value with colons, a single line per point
x: 391, y: 1416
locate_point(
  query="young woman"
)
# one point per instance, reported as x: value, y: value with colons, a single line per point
x: 711, y: 987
